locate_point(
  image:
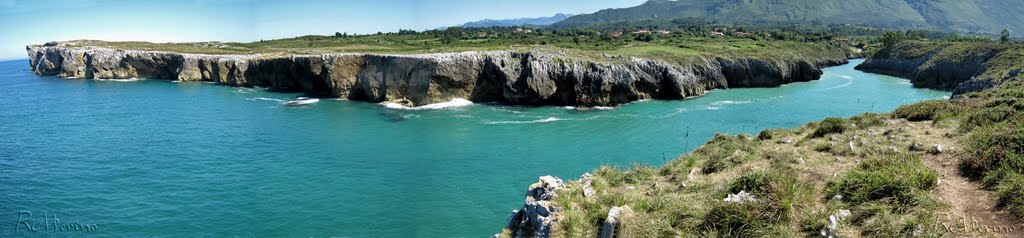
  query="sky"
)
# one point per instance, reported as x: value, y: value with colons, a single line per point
x: 28, y: 22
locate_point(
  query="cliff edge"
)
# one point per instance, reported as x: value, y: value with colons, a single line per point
x: 512, y: 77
x: 962, y: 67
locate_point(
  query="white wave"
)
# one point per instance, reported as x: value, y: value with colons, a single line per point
x: 603, y: 108
x: 119, y: 80
x: 729, y: 102
x: 849, y: 81
x: 906, y: 82
x: 458, y: 102
x: 243, y: 91
x: 264, y: 99
x: 545, y: 120
x: 301, y: 101
x: 713, y: 108
x: 846, y: 76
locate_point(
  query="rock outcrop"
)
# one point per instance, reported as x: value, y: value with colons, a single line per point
x: 613, y: 222
x: 510, y: 77
x: 539, y: 213
x: 943, y: 67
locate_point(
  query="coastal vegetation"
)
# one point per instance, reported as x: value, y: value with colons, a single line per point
x: 898, y: 174
x: 877, y: 175
x: 961, y: 16
x: 673, y: 40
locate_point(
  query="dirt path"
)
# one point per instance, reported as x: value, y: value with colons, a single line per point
x: 973, y: 210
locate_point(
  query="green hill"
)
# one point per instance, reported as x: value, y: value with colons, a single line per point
x: 982, y: 16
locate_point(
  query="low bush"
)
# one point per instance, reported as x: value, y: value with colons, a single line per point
x: 724, y: 152
x: 771, y: 134
x: 894, y: 179
x: 1011, y: 193
x: 921, y: 111
x: 987, y: 147
x: 777, y: 195
x: 867, y: 120
x: 986, y: 116
x: 831, y: 125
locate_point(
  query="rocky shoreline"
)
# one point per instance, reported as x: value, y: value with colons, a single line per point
x: 944, y: 67
x: 510, y: 77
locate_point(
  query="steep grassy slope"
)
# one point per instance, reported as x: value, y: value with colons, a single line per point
x: 941, y: 168
x: 988, y: 16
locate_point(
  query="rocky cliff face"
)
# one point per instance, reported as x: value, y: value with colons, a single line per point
x: 498, y: 76
x: 943, y: 67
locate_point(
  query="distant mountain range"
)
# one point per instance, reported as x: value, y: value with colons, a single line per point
x: 983, y: 16
x: 538, y: 21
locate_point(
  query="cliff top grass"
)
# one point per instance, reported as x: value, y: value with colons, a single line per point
x: 1005, y: 58
x: 672, y: 48
x: 929, y: 169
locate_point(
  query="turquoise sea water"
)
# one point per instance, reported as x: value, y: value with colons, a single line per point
x: 158, y: 158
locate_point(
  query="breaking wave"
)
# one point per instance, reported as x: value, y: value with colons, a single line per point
x: 458, y: 102
x: 545, y: 120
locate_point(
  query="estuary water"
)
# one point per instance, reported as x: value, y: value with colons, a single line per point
x: 141, y: 158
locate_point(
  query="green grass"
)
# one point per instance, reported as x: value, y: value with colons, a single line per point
x: 724, y: 151
x: 831, y: 125
x: 922, y: 111
x: 889, y: 193
x: 897, y: 180
x: 679, y: 49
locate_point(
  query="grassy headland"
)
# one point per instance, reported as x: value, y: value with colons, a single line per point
x: 934, y: 169
x: 678, y: 44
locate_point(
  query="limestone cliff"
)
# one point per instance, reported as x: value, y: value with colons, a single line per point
x: 945, y: 66
x: 528, y: 78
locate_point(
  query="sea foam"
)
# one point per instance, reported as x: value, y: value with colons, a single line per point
x: 545, y: 120
x: 458, y: 102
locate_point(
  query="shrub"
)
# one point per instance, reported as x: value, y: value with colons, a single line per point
x: 724, y: 151
x: 921, y: 111
x: 867, y: 120
x: 823, y: 147
x: 777, y: 195
x: 831, y: 125
x: 893, y: 179
x: 1011, y: 194
x: 755, y: 183
x: 987, y: 116
x: 738, y: 219
x: 771, y: 134
x: 988, y: 146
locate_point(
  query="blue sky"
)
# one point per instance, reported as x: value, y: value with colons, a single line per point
x: 38, y: 21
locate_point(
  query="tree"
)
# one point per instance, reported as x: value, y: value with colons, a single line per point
x: 1004, y: 36
x: 337, y: 34
x: 891, y: 38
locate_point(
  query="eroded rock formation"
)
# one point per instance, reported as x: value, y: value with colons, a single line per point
x: 497, y: 76
x: 943, y: 67
x: 539, y: 213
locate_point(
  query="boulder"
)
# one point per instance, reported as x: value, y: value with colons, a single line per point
x: 538, y: 214
x: 613, y: 223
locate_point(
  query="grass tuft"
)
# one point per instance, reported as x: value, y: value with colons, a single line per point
x: 831, y: 125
